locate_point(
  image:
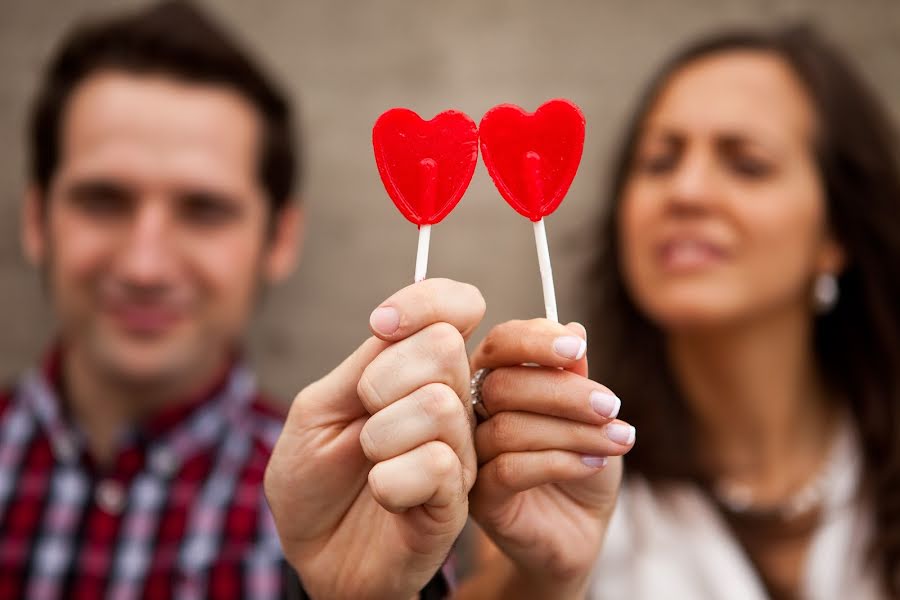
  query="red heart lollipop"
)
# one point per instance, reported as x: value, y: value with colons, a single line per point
x: 426, y: 166
x: 532, y: 158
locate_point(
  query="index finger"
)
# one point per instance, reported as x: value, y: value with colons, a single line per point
x: 538, y: 341
x: 421, y: 304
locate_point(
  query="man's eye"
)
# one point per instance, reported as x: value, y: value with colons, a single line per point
x: 204, y: 210
x: 101, y: 202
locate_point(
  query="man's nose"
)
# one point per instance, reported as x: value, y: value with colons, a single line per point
x: 147, y: 257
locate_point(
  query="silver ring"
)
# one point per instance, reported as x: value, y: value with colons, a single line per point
x: 475, y: 393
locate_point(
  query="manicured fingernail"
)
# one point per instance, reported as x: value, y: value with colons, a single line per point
x: 606, y: 405
x: 385, y: 320
x: 594, y: 461
x: 580, y: 328
x: 620, y: 434
x: 570, y: 346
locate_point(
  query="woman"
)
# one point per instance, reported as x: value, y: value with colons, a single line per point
x: 747, y: 311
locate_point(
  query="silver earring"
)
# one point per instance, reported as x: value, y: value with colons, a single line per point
x: 825, y: 292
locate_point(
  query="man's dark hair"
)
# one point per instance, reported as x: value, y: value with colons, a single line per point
x: 174, y: 39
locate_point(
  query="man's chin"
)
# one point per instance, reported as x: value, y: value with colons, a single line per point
x: 144, y: 361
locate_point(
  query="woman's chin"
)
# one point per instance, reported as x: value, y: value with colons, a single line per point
x: 692, y: 316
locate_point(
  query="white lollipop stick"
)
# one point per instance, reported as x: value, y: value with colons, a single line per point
x: 543, y: 252
x: 429, y: 190
x: 422, y: 253
x: 533, y: 169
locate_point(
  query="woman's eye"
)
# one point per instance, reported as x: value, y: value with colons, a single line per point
x: 657, y: 164
x: 750, y: 167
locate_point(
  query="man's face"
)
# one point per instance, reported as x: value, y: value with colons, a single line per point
x: 154, y: 231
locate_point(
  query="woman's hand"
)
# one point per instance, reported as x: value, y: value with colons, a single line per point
x: 548, y: 455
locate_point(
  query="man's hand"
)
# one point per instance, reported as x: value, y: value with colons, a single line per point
x: 545, y: 489
x: 369, y: 480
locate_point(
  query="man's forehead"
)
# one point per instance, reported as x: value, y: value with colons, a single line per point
x: 157, y: 124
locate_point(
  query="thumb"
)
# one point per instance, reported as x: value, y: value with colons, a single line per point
x: 320, y: 444
x: 333, y: 398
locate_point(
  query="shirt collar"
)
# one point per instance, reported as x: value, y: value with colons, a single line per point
x: 174, y: 433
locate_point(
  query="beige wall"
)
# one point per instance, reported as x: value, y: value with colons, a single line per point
x: 345, y: 62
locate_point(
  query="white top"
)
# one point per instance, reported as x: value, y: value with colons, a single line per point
x: 673, y: 544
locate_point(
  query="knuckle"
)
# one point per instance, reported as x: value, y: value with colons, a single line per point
x: 493, y: 387
x: 438, y: 402
x: 304, y: 402
x: 500, y: 336
x: 438, y: 283
x: 491, y: 341
x: 478, y: 301
x: 368, y: 393
x: 557, y: 392
x: 447, y: 342
x: 557, y: 463
x: 377, y: 486
x: 504, y: 430
x: 544, y: 324
x: 271, y: 484
x: 368, y: 444
x: 506, y: 470
x: 566, y: 564
x: 429, y: 293
x: 443, y: 462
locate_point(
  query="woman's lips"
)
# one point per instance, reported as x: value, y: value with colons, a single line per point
x: 689, y: 254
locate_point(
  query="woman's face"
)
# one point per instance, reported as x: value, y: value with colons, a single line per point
x: 723, y: 215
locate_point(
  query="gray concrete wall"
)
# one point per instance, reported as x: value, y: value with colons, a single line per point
x: 345, y: 62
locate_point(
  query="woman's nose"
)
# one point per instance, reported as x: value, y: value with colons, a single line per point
x: 693, y: 187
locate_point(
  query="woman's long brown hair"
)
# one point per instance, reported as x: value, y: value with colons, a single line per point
x: 857, y: 344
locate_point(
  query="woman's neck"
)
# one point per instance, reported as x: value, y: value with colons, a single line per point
x: 760, y: 410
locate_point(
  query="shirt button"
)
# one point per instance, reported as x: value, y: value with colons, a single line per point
x: 110, y: 496
x: 163, y: 462
x: 64, y: 448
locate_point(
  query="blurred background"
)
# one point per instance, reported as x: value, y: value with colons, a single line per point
x: 344, y: 62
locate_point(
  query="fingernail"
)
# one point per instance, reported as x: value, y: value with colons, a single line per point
x: 385, y: 320
x: 594, y: 461
x: 620, y: 434
x: 570, y: 346
x: 606, y: 405
x: 580, y: 328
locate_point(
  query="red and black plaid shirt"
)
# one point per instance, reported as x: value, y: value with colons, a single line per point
x: 180, y: 513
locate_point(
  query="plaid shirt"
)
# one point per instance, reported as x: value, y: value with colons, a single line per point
x: 179, y: 513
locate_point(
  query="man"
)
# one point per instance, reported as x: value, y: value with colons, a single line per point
x: 160, y: 204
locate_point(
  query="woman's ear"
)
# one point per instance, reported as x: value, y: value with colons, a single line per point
x: 284, y: 246
x: 832, y: 256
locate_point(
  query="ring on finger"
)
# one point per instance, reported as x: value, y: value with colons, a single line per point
x: 475, y: 393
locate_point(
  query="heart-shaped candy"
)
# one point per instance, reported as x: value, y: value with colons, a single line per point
x: 533, y: 158
x: 426, y: 166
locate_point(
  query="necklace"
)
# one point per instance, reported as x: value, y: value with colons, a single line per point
x: 739, y: 498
